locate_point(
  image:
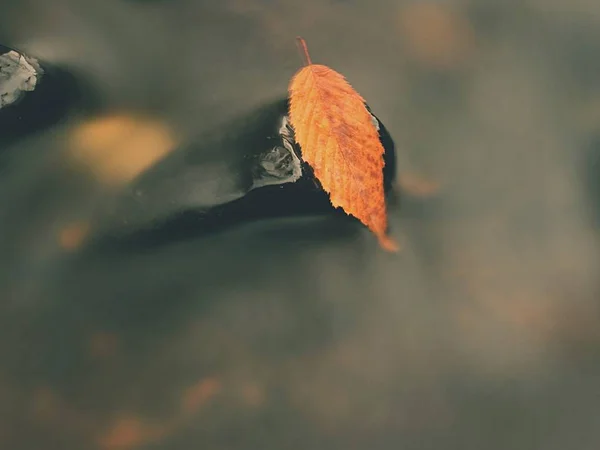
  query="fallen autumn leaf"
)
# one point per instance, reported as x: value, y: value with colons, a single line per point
x: 338, y: 138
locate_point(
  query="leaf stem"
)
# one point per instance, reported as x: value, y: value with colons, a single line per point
x: 303, y: 51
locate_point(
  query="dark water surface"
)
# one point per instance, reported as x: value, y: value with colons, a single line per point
x: 299, y: 332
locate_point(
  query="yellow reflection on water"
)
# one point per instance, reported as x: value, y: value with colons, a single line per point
x: 117, y: 148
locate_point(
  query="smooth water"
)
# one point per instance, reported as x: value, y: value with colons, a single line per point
x: 299, y: 332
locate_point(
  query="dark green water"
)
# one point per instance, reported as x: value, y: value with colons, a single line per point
x: 300, y: 333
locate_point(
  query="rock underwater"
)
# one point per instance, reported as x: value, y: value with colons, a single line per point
x: 250, y: 169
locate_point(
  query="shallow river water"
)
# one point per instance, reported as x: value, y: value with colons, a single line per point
x: 299, y: 332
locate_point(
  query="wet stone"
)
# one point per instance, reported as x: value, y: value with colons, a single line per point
x: 251, y: 169
x: 18, y: 74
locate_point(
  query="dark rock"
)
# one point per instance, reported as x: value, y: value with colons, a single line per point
x: 248, y: 170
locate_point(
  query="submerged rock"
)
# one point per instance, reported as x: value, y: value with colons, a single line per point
x: 247, y: 170
x: 18, y: 74
x: 33, y: 95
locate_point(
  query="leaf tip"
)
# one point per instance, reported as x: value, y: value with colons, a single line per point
x: 388, y: 243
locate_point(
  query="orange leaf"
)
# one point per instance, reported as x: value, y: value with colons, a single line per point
x: 339, y: 141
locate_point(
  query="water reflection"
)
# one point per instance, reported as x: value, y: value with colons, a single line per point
x: 301, y: 333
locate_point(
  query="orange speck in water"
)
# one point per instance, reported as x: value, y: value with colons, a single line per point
x: 418, y: 186
x: 199, y: 394
x: 72, y: 236
x: 435, y: 35
x: 253, y: 394
x: 131, y: 432
x: 103, y: 345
